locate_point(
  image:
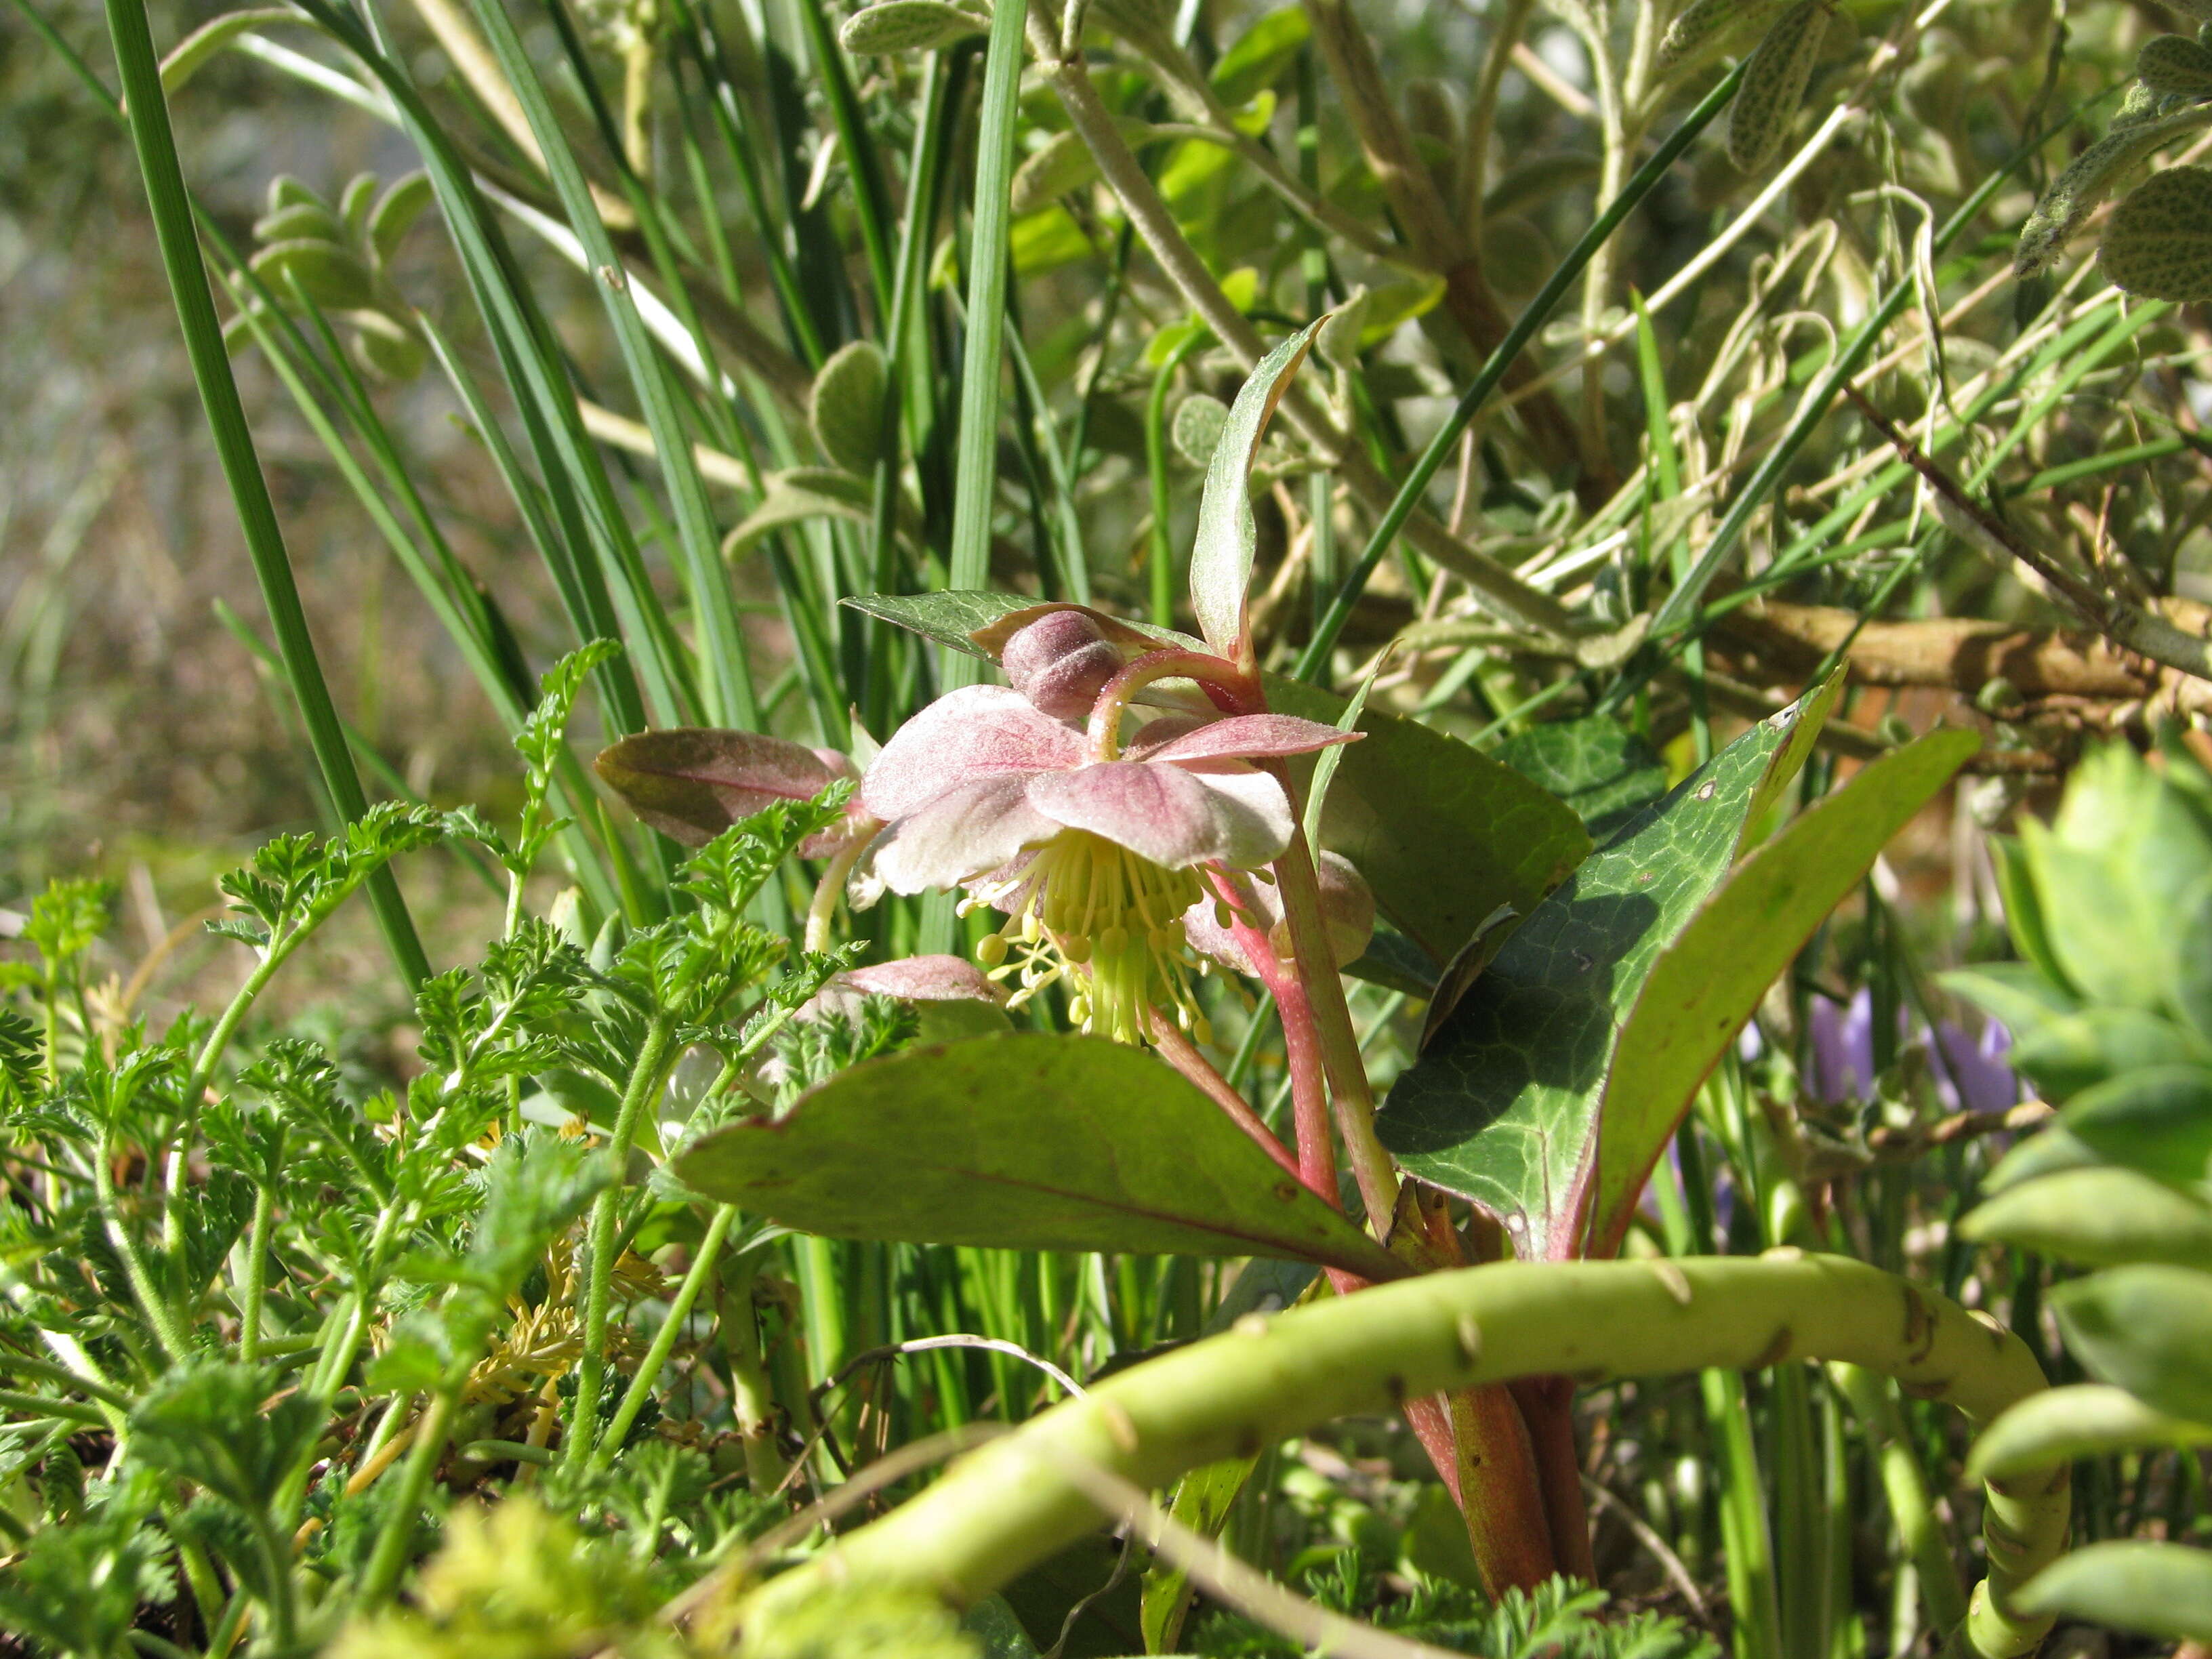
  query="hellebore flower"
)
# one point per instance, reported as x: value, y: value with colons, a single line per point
x: 1092, y: 852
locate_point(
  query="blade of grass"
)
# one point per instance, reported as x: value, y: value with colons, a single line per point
x: 140, y: 74
x: 729, y: 688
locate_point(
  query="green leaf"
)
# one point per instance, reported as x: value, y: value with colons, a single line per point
x: 976, y: 623
x: 1060, y: 167
x: 1502, y: 1106
x: 797, y: 495
x: 396, y: 212
x: 1704, y: 986
x: 2024, y: 912
x: 1199, y: 421
x: 847, y: 408
x: 2090, y: 177
x: 1221, y: 557
x: 2149, y: 1329
x: 189, y: 55
x: 1261, y: 55
x: 2174, y: 65
x: 1596, y: 764
x: 1202, y: 1500
x: 1443, y: 833
x: 207, y: 1424
x: 2157, y: 1120
x: 2124, y: 853
x: 2073, y: 1052
x: 2154, y: 1590
x: 2019, y: 995
x: 1774, y: 84
x: 2101, y: 1217
x: 330, y: 276
x: 2159, y: 242
x: 2088, y: 1419
x: 1705, y: 27
x: 895, y: 26
x: 1024, y: 1141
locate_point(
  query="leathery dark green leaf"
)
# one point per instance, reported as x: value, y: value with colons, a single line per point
x: 1025, y: 1140
x: 1502, y: 1107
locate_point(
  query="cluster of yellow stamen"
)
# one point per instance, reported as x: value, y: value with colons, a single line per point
x: 1108, y: 921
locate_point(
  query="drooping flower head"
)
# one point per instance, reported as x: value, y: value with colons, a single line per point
x: 1093, y: 851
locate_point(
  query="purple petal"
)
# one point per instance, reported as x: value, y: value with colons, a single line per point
x: 1244, y: 737
x: 978, y: 731
x: 968, y: 828
x: 1169, y: 815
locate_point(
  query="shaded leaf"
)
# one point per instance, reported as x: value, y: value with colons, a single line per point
x: 2088, y: 179
x: 2159, y: 243
x: 1774, y: 82
x: 2101, y: 1217
x: 1502, y: 1107
x: 1024, y: 1141
x: 847, y: 406
x: 902, y: 26
x: 2088, y: 1419
x: 691, y: 783
x: 1261, y: 55
x: 189, y: 55
x: 2069, y: 1052
x: 2157, y: 1120
x: 1443, y: 834
x: 797, y: 493
x: 2149, y: 1329
x: 1596, y: 764
x: 1703, y: 989
x: 2154, y: 1590
x: 396, y: 212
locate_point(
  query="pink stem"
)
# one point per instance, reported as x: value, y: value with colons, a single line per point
x: 1231, y: 689
x: 1302, y: 1046
x: 1180, y: 1052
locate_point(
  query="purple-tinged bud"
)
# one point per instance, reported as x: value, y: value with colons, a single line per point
x: 1060, y: 662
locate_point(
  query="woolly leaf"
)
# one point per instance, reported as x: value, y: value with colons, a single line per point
x: 2159, y: 242
x: 847, y: 409
x: 1774, y: 83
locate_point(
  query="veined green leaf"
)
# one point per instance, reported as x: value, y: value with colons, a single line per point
x: 1501, y: 1108
x: 1702, y: 990
x: 2159, y: 243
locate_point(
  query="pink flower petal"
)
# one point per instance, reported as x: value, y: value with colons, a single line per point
x: 978, y: 731
x: 925, y: 979
x: 1245, y: 736
x: 1155, y: 735
x: 1169, y: 815
x: 973, y: 826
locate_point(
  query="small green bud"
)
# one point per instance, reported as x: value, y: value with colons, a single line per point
x: 2159, y: 244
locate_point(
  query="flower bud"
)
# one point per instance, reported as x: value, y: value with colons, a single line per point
x: 1060, y: 662
x: 1347, y: 910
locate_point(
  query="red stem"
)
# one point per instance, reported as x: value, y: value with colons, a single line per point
x: 1180, y: 1052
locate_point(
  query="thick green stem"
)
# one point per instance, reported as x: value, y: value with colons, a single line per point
x: 389, y: 1560
x: 1011, y: 1504
x: 644, y: 1080
x: 752, y: 1396
x: 664, y: 1342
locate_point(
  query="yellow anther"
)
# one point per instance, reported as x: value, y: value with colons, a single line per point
x: 991, y: 949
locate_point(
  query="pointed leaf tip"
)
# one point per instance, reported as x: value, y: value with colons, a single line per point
x: 1221, y: 557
